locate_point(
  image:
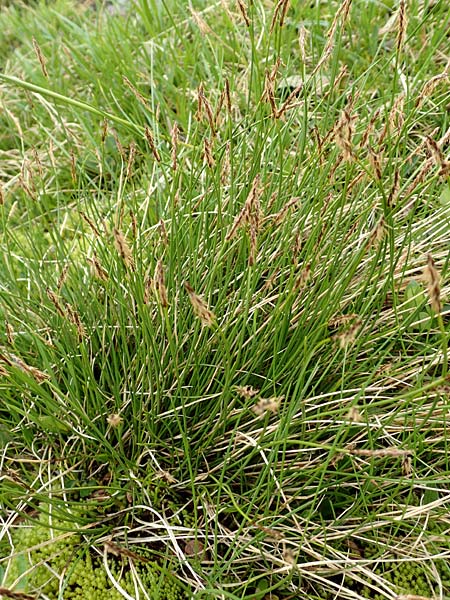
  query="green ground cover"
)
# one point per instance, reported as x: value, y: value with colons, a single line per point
x: 224, y: 300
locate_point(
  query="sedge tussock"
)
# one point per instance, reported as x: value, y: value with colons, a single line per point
x: 303, y: 278
x: 91, y: 224
x: 396, y: 116
x: 2, y: 196
x: 438, y: 157
x: 268, y: 94
x: 364, y: 142
x: 133, y: 223
x: 105, y: 127
x: 407, y: 467
x: 432, y: 278
x: 123, y: 249
x: 119, y: 144
x: 200, y: 307
x: 226, y: 164
x: 354, y: 415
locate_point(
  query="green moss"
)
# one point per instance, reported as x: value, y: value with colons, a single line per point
x: 58, y: 567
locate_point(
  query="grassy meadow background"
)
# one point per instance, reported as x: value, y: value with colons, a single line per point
x: 224, y: 299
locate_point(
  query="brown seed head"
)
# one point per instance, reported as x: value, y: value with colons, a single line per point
x: 302, y: 37
x: 203, y: 26
x: 343, y: 135
x: 243, y: 11
x: 151, y: 143
x: 136, y: 92
x: 123, y: 248
x: 97, y: 268
x: 131, y: 158
x: 56, y: 303
x: 346, y: 338
x: 375, y: 162
x: 432, y: 278
x: 208, y: 155
x: 200, y: 307
x: 251, y: 211
x: 114, y: 420
x: 41, y: 58
x: 75, y: 319
x: 430, y: 85
x: 265, y: 405
x: 160, y: 285
x: 279, y: 14
x: 174, y: 140
x: 402, y: 24
x: 246, y: 391
x: 63, y: 276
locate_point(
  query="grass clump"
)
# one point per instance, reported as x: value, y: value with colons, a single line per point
x: 224, y: 287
